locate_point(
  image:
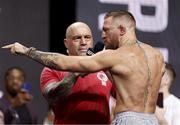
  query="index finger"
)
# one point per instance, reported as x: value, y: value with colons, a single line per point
x: 8, y: 46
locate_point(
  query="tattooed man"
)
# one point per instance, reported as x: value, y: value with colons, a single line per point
x: 136, y: 68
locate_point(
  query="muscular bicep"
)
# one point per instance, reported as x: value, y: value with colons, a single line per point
x: 97, y: 62
x: 94, y: 63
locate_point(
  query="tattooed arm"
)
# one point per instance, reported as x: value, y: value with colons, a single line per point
x: 61, y: 89
x: 45, y: 58
x: 51, y: 60
x: 57, y: 61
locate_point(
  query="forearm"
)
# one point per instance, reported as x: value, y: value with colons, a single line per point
x: 48, y: 59
x: 61, y: 89
x: 58, y: 61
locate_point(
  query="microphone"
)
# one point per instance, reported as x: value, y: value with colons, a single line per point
x: 99, y: 46
x: 90, y: 52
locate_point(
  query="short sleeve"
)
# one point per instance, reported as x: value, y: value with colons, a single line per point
x: 49, y: 76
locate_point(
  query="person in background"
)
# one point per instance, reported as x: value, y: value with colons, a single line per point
x: 15, y: 103
x: 171, y: 104
x: 1, y: 94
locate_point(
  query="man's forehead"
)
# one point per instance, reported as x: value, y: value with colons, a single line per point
x: 80, y: 31
x: 107, y: 22
x: 14, y: 71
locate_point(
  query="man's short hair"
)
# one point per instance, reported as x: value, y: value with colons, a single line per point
x: 171, y: 70
x: 121, y: 13
x: 9, y: 70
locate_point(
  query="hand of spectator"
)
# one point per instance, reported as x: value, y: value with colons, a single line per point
x: 22, y: 98
x: 160, y: 115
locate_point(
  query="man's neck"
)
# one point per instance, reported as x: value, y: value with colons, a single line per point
x: 166, y: 93
x: 128, y: 42
x: 128, y: 39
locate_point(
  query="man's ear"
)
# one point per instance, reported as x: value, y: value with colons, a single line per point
x: 122, y: 30
x: 66, y: 43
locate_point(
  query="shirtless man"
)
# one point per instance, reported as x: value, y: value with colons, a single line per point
x: 136, y: 68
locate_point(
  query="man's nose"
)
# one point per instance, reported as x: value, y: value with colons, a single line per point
x: 83, y: 41
x: 103, y: 35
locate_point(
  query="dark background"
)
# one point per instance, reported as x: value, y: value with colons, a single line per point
x: 37, y: 23
x: 42, y: 24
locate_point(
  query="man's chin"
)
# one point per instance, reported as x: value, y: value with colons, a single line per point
x: 82, y: 54
x: 13, y: 93
x: 109, y: 47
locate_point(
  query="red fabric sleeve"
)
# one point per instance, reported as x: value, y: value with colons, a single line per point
x: 49, y: 76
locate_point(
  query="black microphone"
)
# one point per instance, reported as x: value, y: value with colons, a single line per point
x: 99, y: 46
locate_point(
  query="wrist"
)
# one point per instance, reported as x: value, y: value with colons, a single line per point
x: 29, y: 51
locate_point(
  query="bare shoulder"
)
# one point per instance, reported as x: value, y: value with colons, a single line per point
x: 107, y: 53
x: 121, y: 58
x: 152, y: 50
x: 111, y: 57
x: 107, y: 56
x: 156, y: 54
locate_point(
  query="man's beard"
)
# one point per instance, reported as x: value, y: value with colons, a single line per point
x: 110, y: 46
x: 12, y: 92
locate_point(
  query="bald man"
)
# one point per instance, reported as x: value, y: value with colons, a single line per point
x: 136, y: 68
x: 77, y: 100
